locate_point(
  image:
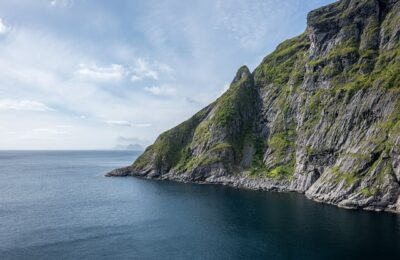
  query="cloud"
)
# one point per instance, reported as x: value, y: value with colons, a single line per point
x: 142, y: 70
x: 130, y: 140
x: 64, y: 126
x: 163, y: 90
x: 43, y: 47
x: 145, y: 70
x: 225, y: 88
x: 252, y: 24
x: 23, y: 105
x: 114, y: 72
x: 3, y: 27
x: 200, y: 101
x: 41, y: 133
x: 164, y: 68
x: 53, y: 131
x: 127, y: 123
x: 118, y: 122
x: 124, y: 139
x: 141, y: 125
x: 62, y: 3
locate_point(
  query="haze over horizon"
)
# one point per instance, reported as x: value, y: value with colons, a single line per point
x: 98, y: 74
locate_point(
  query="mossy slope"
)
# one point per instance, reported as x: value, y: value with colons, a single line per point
x: 320, y: 115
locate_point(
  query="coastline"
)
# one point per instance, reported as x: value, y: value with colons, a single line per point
x: 243, y: 182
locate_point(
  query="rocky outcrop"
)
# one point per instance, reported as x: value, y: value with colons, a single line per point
x: 320, y: 115
x: 120, y: 172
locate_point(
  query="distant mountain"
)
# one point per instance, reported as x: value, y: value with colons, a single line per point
x: 320, y: 115
x: 132, y: 147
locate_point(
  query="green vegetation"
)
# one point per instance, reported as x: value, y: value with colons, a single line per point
x: 387, y: 72
x: 282, y: 171
x: 371, y: 31
x: 343, y: 50
x: 202, y: 133
x: 349, y: 178
x: 329, y: 70
x: 310, y: 150
x: 359, y: 156
x: 221, y: 146
x: 258, y: 167
x: 280, y: 145
x: 313, y: 110
x: 367, y: 192
x: 237, y: 100
x: 235, y: 112
x: 391, y: 22
x: 280, y: 142
x: 171, y: 146
x: 349, y: 67
x: 279, y: 66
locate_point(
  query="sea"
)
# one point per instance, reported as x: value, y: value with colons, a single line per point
x: 59, y: 205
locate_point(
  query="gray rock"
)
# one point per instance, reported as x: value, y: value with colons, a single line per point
x: 320, y: 115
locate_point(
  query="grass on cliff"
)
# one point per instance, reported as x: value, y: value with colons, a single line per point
x: 278, y: 67
x: 284, y: 68
x: 171, y: 145
x: 233, y: 110
x: 237, y: 100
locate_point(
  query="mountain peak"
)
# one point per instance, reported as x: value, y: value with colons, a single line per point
x: 243, y: 72
x: 320, y: 115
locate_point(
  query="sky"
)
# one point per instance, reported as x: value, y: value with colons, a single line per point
x: 97, y: 74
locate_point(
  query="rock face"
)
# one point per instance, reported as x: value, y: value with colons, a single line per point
x: 320, y: 115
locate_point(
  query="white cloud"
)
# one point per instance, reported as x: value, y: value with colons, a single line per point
x: 164, y: 68
x: 53, y: 131
x: 136, y: 78
x: 200, y: 100
x: 41, y: 133
x: 23, y: 105
x: 63, y: 3
x: 114, y: 72
x: 124, y: 139
x: 141, y: 125
x: 40, y: 60
x: 127, y: 123
x: 224, y: 89
x: 64, y: 126
x: 163, y: 90
x: 143, y: 70
x: 3, y: 27
x: 251, y: 24
x: 118, y: 122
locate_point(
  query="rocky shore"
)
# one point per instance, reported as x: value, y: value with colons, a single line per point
x: 242, y: 182
x: 320, y: 115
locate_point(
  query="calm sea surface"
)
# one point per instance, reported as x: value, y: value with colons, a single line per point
x: 58, y: 205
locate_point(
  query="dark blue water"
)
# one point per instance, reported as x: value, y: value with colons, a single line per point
x: 58, y: 205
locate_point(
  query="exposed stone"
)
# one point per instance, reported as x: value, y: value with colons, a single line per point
x: 320, y: 115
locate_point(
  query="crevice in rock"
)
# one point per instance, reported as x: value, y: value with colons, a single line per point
x: 374, y: 157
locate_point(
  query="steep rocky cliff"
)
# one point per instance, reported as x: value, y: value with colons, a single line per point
x: 320, y: 115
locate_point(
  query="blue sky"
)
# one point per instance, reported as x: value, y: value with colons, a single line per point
x: 92, y: 74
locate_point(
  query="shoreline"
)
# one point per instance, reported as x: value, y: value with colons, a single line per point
x: 243, y: 183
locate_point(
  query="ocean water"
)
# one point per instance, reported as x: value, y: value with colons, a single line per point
x: 58, y: 205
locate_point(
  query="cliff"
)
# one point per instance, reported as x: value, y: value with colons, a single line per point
x: 320, y: 115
